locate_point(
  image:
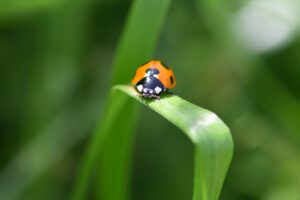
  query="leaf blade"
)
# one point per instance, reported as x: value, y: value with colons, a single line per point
x: 210, y: 136
x: 135, y: 47
x: 139, y: 37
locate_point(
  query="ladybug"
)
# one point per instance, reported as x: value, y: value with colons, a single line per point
x: 153, y: 78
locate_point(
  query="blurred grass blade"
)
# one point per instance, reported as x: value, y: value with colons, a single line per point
x: 139, y: 37
x: 18, y: 8
x: 209, y: 135
x: 115, y: 130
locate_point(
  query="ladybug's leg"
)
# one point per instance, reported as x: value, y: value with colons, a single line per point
x: 139, y: 95
x: 157, y: 97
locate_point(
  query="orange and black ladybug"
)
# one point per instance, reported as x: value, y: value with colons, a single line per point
x: 153, y: 78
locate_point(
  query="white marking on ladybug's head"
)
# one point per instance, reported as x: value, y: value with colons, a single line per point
x: 151, y: 91
x: 139, y: 87
x: 157, y: 90
x: 155, y: 75
x: 145, y: 90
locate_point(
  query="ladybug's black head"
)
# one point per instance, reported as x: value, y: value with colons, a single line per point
x: 152, y: 71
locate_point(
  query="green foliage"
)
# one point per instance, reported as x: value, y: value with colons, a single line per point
x: 56, y: 58
x: 209, y: 135
x: 139, y: 38
x: 113, y: 140
x: 136, y: 46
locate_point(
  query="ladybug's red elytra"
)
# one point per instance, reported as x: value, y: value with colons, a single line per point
x: 153, y: 78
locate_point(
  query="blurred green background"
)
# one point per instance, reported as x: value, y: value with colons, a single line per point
x: 240, y: 59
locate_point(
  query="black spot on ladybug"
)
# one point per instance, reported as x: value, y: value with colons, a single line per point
x: 152, y: 71
x: 164, y: 65
x: 172, y: 80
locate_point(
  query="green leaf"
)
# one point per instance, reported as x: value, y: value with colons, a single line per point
x: 139, y: 37
x: 116, y: 128
x: 209, y: 135
x: 111, y: 145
